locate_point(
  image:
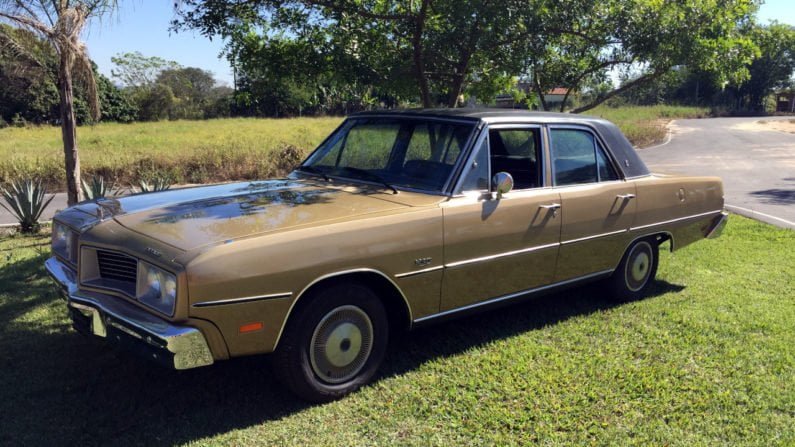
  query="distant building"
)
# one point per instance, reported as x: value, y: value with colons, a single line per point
x: 785, y: 102
x: 554, y: 98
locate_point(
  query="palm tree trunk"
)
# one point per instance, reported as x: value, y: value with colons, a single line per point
x: 69, y: 130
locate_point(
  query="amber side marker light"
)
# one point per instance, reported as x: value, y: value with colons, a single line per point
x: 251, y: 327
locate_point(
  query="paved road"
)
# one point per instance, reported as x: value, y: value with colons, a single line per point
x: 58, y: 203
x: 757, y: 164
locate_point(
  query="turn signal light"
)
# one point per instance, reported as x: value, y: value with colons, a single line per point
x: 251, y: 327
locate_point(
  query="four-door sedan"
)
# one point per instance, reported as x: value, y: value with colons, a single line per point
x: 397, y: 219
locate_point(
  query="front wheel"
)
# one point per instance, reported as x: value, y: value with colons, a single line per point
x: 333, y: 344
x: 636, y: 271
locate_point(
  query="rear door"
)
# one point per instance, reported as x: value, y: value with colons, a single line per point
x: 597, y: 205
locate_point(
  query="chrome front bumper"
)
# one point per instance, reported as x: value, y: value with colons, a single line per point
x: 716, y: 228
x: 121, y: 323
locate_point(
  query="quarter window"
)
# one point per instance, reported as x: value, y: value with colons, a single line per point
x: 476, y: 174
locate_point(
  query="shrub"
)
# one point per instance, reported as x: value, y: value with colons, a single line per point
x: 96, y: 188
x: 18, y: 121
x: 287, y: 158
x: 155, y: 182
x: 26, y: 200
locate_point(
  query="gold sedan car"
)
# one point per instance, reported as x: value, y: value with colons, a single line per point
x: 397, y: 219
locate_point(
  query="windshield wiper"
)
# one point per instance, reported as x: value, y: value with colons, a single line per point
x: 367, y: 175
x: 314, y: 170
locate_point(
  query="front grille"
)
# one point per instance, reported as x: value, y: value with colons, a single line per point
x: 117, y: 267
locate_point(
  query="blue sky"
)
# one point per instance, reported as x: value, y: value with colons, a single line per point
x: 142, y: 25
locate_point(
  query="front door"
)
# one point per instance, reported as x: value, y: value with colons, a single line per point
x: 498, y: 246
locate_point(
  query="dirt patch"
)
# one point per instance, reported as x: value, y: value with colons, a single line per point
x: 787, y: 126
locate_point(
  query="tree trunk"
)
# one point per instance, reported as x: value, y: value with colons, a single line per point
x: 419, y: 63
x: 537, y: 86
x: 624, y: 87
x: 69, y: 130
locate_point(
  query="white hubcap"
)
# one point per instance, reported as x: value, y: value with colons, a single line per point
x: 343, y: 344
x: 638, y: 268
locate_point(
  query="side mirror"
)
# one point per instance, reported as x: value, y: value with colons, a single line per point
x: 502, y: 183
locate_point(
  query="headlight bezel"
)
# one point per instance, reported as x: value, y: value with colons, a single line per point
x: 156, y: 288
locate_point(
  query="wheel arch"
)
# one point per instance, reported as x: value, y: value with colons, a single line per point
x: 658, y: 236
x: 395, y: 302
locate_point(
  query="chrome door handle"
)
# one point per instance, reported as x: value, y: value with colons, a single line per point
x: 551, y: 206
x: 626, y: 196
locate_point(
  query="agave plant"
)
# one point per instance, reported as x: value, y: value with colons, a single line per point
x: 96, y: 188
x: 26, y: 199
x: 157, y: 182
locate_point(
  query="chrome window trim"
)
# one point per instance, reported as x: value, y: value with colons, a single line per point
x: 417, y: 272
x: 484, y: 135
x: 470, y: 158
x: 500, y: 255
x: 445, y: 189
x: 513, y: 295
x: 678, y: 219
x: 598, y: 138
x: 245, y: 299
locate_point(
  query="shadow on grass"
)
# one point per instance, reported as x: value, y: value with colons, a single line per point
x: 61, y: 388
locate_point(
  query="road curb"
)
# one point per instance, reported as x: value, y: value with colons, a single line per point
x: 761, y: 217
x: 668, y: 137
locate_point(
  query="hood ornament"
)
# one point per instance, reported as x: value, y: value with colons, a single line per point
x: 107, y: 208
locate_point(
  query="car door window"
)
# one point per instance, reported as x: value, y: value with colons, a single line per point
x: 578, y: 158
x: 515, y: 151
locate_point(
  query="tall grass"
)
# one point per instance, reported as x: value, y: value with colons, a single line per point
x: 646, y: 125
x: 188, y: 151
x: 224, y: 149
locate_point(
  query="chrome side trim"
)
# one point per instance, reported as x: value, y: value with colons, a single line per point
x: 245, y: 299
x: 595, y: 236
x: 417, y: 272
x: 676, y: 220
x: 500, y: 255
x: 514, y: 295
x: 333, y: 275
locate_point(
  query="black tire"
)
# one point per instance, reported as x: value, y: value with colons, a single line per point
x: 635, y: 272
x: 333, y: 343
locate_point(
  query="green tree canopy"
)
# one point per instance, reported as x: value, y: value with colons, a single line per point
x: 439, y: 50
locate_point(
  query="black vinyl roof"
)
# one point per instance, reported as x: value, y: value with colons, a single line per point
x: 617, y: 143
x: 481, y: 114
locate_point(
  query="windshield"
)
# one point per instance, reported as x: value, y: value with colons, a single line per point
x: 412, y: 153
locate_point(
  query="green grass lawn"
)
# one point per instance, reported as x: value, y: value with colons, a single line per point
x: 707, y: 359
x: 224, y: 149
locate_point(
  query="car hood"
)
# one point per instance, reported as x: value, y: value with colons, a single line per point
x: 193, y: 217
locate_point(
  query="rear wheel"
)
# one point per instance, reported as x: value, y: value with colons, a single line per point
x: 333, y: 344
x: 636, y: 271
